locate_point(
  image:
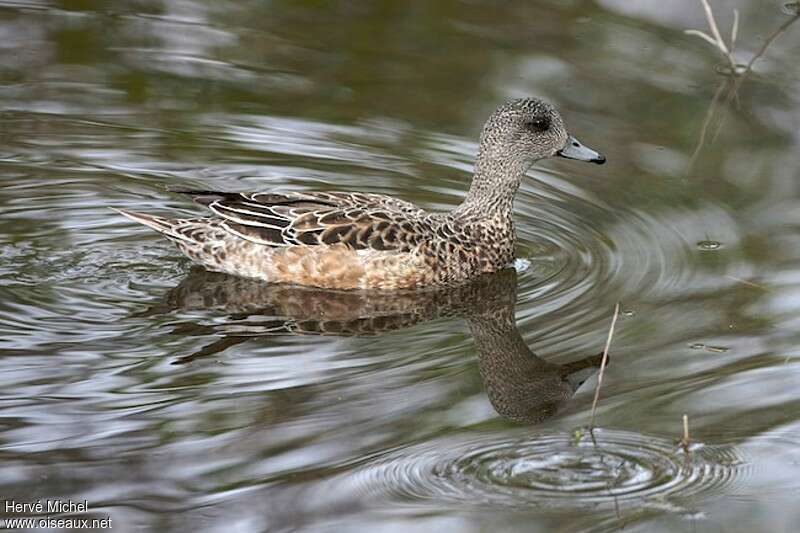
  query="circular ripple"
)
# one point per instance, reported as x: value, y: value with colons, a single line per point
x: 618, y: 468
x: 584, y: 256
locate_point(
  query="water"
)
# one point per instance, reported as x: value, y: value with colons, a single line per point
x: 171, y: 399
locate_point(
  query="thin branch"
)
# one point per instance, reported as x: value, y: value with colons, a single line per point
x: 746, y: 282
x: 739, y: 75
x: 706, y: 37
x: 713, y: 25
x: 712, y: 110
x: 748, y: 69
x: 603, y: 364
x: 768, y: 41
x: 685, y: 441
x: 717, y: 41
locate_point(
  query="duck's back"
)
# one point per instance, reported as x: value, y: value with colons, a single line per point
x: 331, y: 240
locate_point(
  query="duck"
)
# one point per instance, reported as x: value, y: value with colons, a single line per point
x: 360, y: 240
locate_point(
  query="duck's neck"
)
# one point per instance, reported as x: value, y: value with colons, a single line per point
x: 493, y: 187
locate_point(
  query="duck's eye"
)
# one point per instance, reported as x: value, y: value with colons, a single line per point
x: 539, y: 124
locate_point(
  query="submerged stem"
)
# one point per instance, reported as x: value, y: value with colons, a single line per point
x: 603, y: 364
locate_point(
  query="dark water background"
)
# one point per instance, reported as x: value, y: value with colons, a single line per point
x: 178, y: 409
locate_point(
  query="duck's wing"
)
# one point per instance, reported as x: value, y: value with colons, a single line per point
x: 364, y: 201
x: 359, y: 220
x: 312, y: 199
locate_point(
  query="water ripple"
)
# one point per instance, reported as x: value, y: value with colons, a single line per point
x: 553, y: 470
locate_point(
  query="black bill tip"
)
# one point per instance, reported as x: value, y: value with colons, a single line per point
x: 573, y: 149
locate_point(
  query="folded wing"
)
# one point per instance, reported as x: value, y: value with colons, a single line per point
x: 358, y: 220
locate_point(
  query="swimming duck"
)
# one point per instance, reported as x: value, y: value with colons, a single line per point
x: 351, y: 240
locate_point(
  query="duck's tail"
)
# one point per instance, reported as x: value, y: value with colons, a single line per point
x: 171, y: 228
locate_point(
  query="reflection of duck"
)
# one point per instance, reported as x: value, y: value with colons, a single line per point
x: 521, y: 386
x: 369, y: 241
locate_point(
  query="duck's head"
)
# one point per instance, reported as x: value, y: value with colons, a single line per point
x: 526, y: 130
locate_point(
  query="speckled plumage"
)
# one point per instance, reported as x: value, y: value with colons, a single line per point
x: 369, y: 241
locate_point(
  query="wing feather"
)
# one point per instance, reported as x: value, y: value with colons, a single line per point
x: 242, y: 214
x: 358, y: 220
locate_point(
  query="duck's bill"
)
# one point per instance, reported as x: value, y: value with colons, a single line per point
x: 575, y: 150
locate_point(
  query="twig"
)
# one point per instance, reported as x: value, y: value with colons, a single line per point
x: 706, y: 37
x: 603, y: 364
x: 769, y: 40
x: 686, y: 429
x: 685, y: 440
x: 731, y: 85
x: 746, y: 282
x: 712, y: 110
x: 717, y: 41
x: 713, y: 25
x: 741, y: 76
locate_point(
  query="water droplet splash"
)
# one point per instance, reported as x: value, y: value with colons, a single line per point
x: 521, y: 265
x: 623, y: 468
x: 717, y: 349
x: 709, y: 348
x: 726, y: 70
x: 709, y: 246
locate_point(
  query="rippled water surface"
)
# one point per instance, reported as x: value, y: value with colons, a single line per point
x: 170, y: 398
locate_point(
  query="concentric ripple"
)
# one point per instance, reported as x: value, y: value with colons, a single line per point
x: 626, y: 251
x: 554, y: 470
